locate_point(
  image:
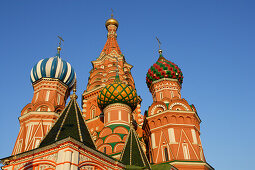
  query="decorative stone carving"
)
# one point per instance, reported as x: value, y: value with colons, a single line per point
x: 83, y: 158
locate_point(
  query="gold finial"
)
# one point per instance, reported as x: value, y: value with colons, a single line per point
x: 112, y: 13
x: 111, y: 21
x: 59, y: 44
x: 74, y: 96
x: 159, y: 44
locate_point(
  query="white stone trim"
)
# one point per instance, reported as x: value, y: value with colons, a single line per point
x: 157, y: 106
x: 178, y: 103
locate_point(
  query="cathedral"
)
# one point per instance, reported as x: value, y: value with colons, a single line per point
x: 108, y: 131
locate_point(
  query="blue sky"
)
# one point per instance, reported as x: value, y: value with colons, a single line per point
x: 212, y: 41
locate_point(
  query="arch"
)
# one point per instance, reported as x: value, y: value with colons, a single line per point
x: 29, y: 165
x: 153, y: 124
x: 112, y: 77
x: 121, y: 130
x: 159, y: 122
x: 96, y: 165
x: 124, y: 138
x: 99, y: 142
x: 178, y: 104
x: 118, y: 147
x: 96, y: 86
x: 112, y: 138
x: 106, y: 131
x: 43, y: 108
x: 173, y: 119
x: 165, y: 120
x: 26, y: 108
x: 43, y: 103
x: 158, y: 107
x: 97, y: 79
x: 181, y: 119
x: 92, y: 111
x: 107, y: 146
x: 188, y: 120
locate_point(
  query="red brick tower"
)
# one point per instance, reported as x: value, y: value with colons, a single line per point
x: 102, y: 74
x: 52, y: 79
x: 172, y: 126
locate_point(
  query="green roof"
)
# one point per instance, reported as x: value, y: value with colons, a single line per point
x: 161, y: 166
x: 69, y: 124
x: 113, y: 126
x: 132, y: 154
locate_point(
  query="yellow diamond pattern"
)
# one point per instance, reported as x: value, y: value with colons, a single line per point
x: 117, y: 93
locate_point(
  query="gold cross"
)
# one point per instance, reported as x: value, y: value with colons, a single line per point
x: 159, y: 43
x: 112, y: 13
x: 60, y: 40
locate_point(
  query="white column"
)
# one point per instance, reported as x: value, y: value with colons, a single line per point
x: 75, y: 160
x: 194, y: 136
x: 171, y: 135
x: 153, y: 142
x: 68, y: 159
x: 119, y: 114
x: 60, y: 160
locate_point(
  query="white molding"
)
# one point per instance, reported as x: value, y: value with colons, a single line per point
x: 171, y: 111
x: 38, y: 113
x: 173, y: 124
x: 178, y: 103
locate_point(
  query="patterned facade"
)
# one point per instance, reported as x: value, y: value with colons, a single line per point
x: 108, y: 131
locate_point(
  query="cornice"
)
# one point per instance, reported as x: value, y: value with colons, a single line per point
x: 38, y: 113
x: 57, y: 145
x: 175, y: 111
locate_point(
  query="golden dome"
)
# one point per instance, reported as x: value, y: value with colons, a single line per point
x: 111, y: 21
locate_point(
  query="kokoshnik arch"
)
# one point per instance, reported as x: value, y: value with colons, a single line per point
x: 109, y: 131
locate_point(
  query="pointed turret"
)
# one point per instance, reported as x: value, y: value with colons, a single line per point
x: 132, y: 154
x: 111, y: 43
x: 70, y: 124
x: 117, y: 100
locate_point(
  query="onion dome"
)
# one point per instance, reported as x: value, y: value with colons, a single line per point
x: 117, y: 93
x: 111, y: 21
x: 163, y: 69
x: 56, y: 68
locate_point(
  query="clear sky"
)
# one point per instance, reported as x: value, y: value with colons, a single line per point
x: 212, y: 41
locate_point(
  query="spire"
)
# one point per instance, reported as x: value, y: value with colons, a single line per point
x: 117, y: 77
x: 159, y: 44
x: 132, y: 154
x: 59, y: 45
x: 70, y: 124
x: 111, y: 43
x: 74, y: 96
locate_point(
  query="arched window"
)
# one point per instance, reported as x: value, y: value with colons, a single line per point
x: 47, y: 96
x: 58, y: 101
x: 185, y: 151
x: 93, y: 113
x: 161, y: 95
x: 166, y: 154
x: 96, y: 86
